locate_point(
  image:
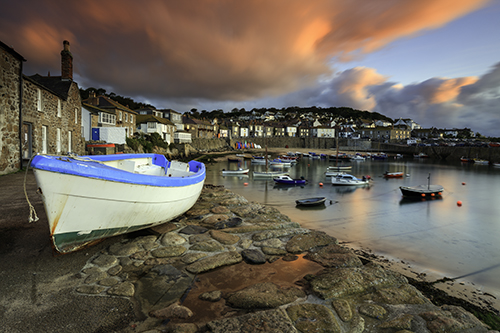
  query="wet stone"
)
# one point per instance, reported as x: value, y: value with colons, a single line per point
x: 168, y: 270
x: 95, y: 277
x: 272, y: 242
x: 267, y: 234
x: 192, y: 257
x: 115, y: 270
x: 220, y: 210
x: 269, y: 321
x: 306, y: 242
x: 145, y: 239
x: 218, y: 260
x: 109, y: 282
x: 224, y: 238
x: 168, y: 251
x: 402, y: 322
x: 197, y: 212
x: 172, y: 238
x: 105, y: 260
x: 313, y: 318
x: 231, y: 223
x: 200, y: 238
x: 273, y: 251
x: 210, y: 246
x: 213, y: 219
x: 334, y: 255
x: 142, y: 255
x: 93, y: 290
x: 193, y: 230
x: 122, y: 289
x: 264, y: 296
x: 91, y: 270
x: 172, y: 311
x: 247, y: 210
x: 126, y: 261
x: 343, y: 309
x: 212, y: 296
x: 126, y: 249
x: 158, y: 261
x: 245, y: 243
x: 253, y: 256
x: 372, y: 310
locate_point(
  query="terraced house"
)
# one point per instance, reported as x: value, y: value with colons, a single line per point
x: 38, y: 114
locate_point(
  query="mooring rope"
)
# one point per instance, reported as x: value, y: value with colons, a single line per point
x: 33, y: 217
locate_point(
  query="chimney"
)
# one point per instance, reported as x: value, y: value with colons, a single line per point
x: 66, y: 63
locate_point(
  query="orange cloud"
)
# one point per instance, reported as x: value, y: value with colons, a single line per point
x: 449, y: 89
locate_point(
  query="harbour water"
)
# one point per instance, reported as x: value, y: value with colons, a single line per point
x: 437, y: 237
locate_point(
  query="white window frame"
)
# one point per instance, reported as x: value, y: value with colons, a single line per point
x: 58, y: 108
x: 70, y: 141
x: 58, y: 140
x: 76, y: 116
x: 44, y: 139
x: 39, y: 100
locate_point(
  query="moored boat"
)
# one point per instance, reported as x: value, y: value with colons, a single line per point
x: 287, y: 180
x: 393, y: 174
x: 88, y: 199
x: 240, y: 171
x: 267, y: 175
x: 422, y: 191
x: 339, y: 168
x: 349, y: 180
x: 311, y: 201
x: 481, y: 161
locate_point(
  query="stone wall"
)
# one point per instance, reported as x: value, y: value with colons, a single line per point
x: 10, y: 155
x: 215, y: 144
x: 68, y: 121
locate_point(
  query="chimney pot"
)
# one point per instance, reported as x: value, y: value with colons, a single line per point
x: 66, y: 62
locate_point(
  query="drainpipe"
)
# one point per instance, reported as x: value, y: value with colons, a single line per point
x: 21, y: 116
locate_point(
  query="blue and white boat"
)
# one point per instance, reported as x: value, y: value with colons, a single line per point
x: 90, y: 198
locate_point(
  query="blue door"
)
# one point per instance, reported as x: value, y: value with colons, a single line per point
x: 95, y: 134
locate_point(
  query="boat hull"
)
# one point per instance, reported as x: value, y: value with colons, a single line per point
x: 421, y: 191
x: 83, y: 208
x: 311, y: 201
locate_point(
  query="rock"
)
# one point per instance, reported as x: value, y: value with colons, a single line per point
x: 404, y: 294
x: 237, y: 200
x: 212, y: 296
x: 171, y: 239
x: 271, y: 242
x: 264, y: 296
x: 172, y: 311
x: 402, y: 322
x: 95, y: 277
x: 192, y: 257
x: 168, y: 270
x: 450, y: 319
x: 343, y: 309
x: 105, y: 260
x: 193, y: 230
x: 218, y: 260
x: 115, y: 270
x: 124, y: 249
x: 109, y: 282
x: 145, y: 239
x: 306, y: 242
x: 231, y: 223
x: 220, y: 210
x: 200, y: 238
x: 273, y: 251
x: 141, y: 255
x: 339, y: 283
x: 253, y: 256
x: 182, y: 328
x: 168, y: 251
x: 91, y: 270
x: 122, y: 289
x: 224, y: 237
x: 270, y: 321
x: 250, y: 210
x: 260, y: 236
x: 372, y: 310
x: 313, y: 318
x: 211, y: 220
x: 334, y: 255
x: 159, y: 261
x: 197, y: 212
x: 93, y: 290
x: 245, y: 243
x: 164, y: 228
x: 210, y: 246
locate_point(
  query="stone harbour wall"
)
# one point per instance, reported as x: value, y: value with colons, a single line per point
x: 166, y: 274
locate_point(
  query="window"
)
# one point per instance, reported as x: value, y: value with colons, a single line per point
x: 151, y: 125
x: 106, y: 118
x: 131, y: 118
x: 58, y: 141
x: 39, y: 100
x: 70, y: 142
x: 44, y: 139
x: 76, y: 116
x: 120, y: 116
x: 59, y: 108
x: 126, y: 117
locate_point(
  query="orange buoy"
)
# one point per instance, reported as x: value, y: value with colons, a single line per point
x: 432, y: 194
x: 459, y: 203
x: 423, y: 195
x: 463, y: 183
x: 320, y: 184
x: 245, y: 184
x: 439, y: 193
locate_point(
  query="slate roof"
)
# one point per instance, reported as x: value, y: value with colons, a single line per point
x: 149, y: 118
x: 54, y: 84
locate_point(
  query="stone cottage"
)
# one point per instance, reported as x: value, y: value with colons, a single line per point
x: 47, y: 108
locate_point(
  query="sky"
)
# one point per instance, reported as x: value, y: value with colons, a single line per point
x: 434, y: 61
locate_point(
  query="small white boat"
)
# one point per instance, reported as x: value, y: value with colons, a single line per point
x: 87, y: 199
x: 357, y: 158
x: 339, y: 168
x: 349, y: 180
x: 260, y: 161
x: 496, y: 165
x: 238, y: 172
x: 393, y: 174
x: 281, y: 163
x: 481, y: 162
x: 267, y: 175
x: 334, y: 173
